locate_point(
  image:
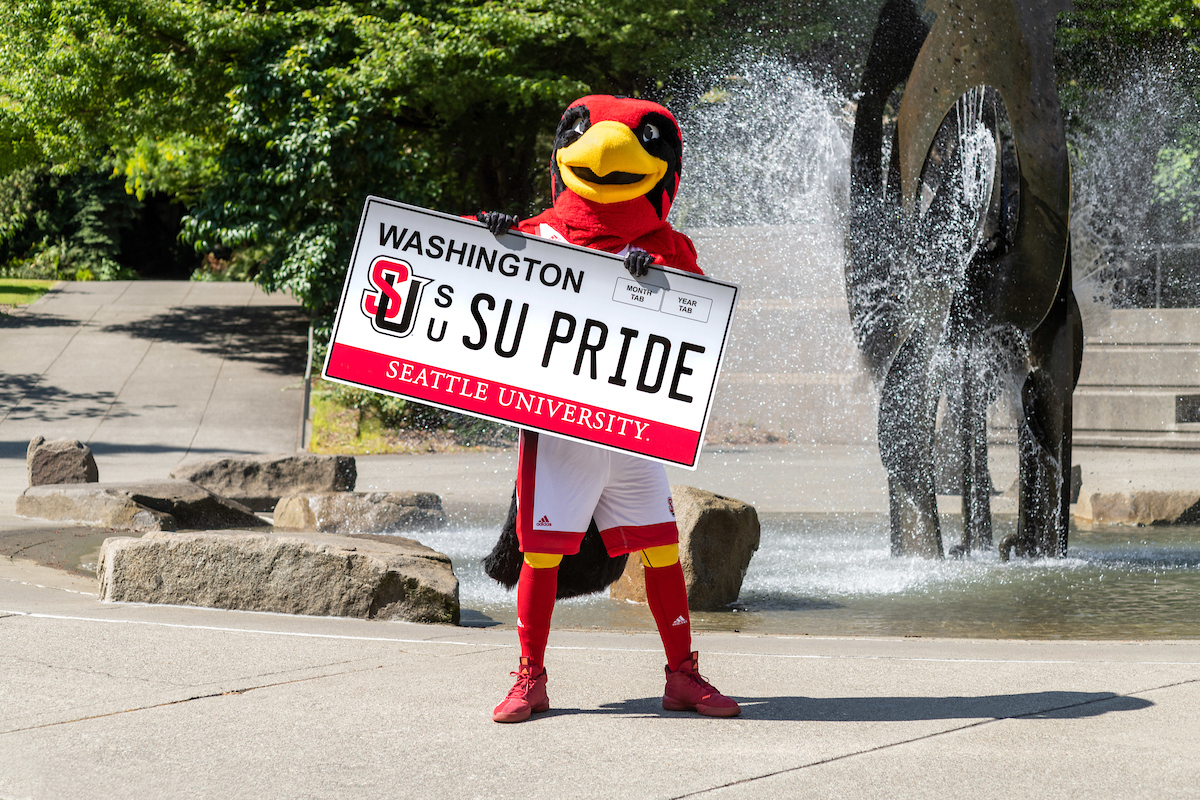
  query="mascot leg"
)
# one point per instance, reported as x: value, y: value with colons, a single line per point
x: 536, y: 588
x: 666, y: 594
x: 536, y: 591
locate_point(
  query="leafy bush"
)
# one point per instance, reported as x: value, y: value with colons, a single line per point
x: 63, y: 226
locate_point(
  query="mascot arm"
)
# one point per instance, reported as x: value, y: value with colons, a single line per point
x: 671, y: 249
x: 496, y: 222
x: 533, y: 224
x: 638, y: 262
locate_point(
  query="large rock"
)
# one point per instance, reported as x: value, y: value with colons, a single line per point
x: 717, y: 538
x: 360, y: 512
x: 146, y: 506
x: 258, y: 482
x: 60, y: 461
x: 1141, y: 507
x: 315, y: 574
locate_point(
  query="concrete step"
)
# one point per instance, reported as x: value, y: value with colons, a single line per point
x: 1163, y: 440
x: 1147, y: 326
x: 1140, y: 381
x: 1158, y: 409
x: 1131, y: 365
x: 796, y: 406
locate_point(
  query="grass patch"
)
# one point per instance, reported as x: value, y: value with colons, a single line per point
x: 348, y: 421
x: 22, y: 291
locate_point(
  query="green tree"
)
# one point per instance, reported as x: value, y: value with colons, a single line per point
x: 89, y: 88
x: 1098, y: 40
x: 1100, y: 45
x: 63, y: 226
x: 87, y: 80
x: 276, y: 119
x: 442, y: 105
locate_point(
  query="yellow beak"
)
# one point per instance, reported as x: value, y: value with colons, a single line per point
x: 609, y: 165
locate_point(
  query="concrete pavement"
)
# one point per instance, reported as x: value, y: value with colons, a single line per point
x: 148, y: 373
x: 118, y: 700
x: 140, y: 701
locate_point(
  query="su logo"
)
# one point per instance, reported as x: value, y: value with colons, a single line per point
x: 393, y: 297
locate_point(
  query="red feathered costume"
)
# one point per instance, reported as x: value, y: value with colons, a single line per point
x: 615, y: 171
x: 583, y: 214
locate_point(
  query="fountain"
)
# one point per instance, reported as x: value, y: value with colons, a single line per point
x: 959, y: 262
x: 767, y: 198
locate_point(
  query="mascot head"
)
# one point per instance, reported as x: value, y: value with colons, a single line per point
x: 618, y: 150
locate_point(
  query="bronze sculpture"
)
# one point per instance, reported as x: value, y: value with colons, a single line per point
x: 958, y: 260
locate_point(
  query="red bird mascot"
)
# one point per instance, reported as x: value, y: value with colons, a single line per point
x: 615, y: 170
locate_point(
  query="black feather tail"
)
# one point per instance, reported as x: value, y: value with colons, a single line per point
x: 503, y: 564
x: 589, y: 571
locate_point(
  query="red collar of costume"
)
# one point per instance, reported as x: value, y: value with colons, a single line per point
x: 603, y: 226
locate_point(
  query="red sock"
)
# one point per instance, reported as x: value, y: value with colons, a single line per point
x: 666, y: 592
x: 536, y: 589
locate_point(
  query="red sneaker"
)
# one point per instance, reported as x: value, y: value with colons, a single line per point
x: 688, y: 691
x: 527, y: 696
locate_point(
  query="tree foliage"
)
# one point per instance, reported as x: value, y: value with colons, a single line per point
x: 63, y: 226
x: 1105, y: 45
x: 1098, y: 40
x: 274, y: 120
x: 86, y: 76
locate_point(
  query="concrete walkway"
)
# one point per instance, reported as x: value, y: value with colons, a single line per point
x: 148, y: 373
x: 119, y: 701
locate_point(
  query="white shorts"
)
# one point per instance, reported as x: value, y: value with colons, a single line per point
x: 562, y: 485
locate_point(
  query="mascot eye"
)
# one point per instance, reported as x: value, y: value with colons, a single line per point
x: 580, y: 127
x: 649, y: 133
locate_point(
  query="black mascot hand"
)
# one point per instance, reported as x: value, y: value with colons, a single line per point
x: 496, y: 222
x: 638, y: 263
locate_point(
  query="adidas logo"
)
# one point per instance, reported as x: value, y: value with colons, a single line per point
x: 519, y: 623
x: 679, y: 621
x: 544, y: 522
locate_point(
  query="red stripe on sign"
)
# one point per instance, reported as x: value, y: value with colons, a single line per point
x: 509, y: 403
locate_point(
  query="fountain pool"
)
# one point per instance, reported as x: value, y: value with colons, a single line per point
x: 833, y: 575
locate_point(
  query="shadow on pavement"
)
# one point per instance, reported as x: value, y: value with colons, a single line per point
x: 37, y: 321
x: 25, y: 395
x: 273, y: 337
x: 10, y: 449
x: 115, y: 448
x: 1031, y: 705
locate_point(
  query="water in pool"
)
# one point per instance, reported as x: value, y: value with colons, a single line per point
x: 832, y: 575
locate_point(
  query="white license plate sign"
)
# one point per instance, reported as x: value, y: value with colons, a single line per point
x: 530, y: 332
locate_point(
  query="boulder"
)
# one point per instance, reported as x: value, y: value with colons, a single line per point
x: 258, y: 482
x: 360, y: 512
x: 1140, y: 507
x: 146, y: 506
x: 60, y: 461
x: 314, y: 574
x: 717, y: 538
